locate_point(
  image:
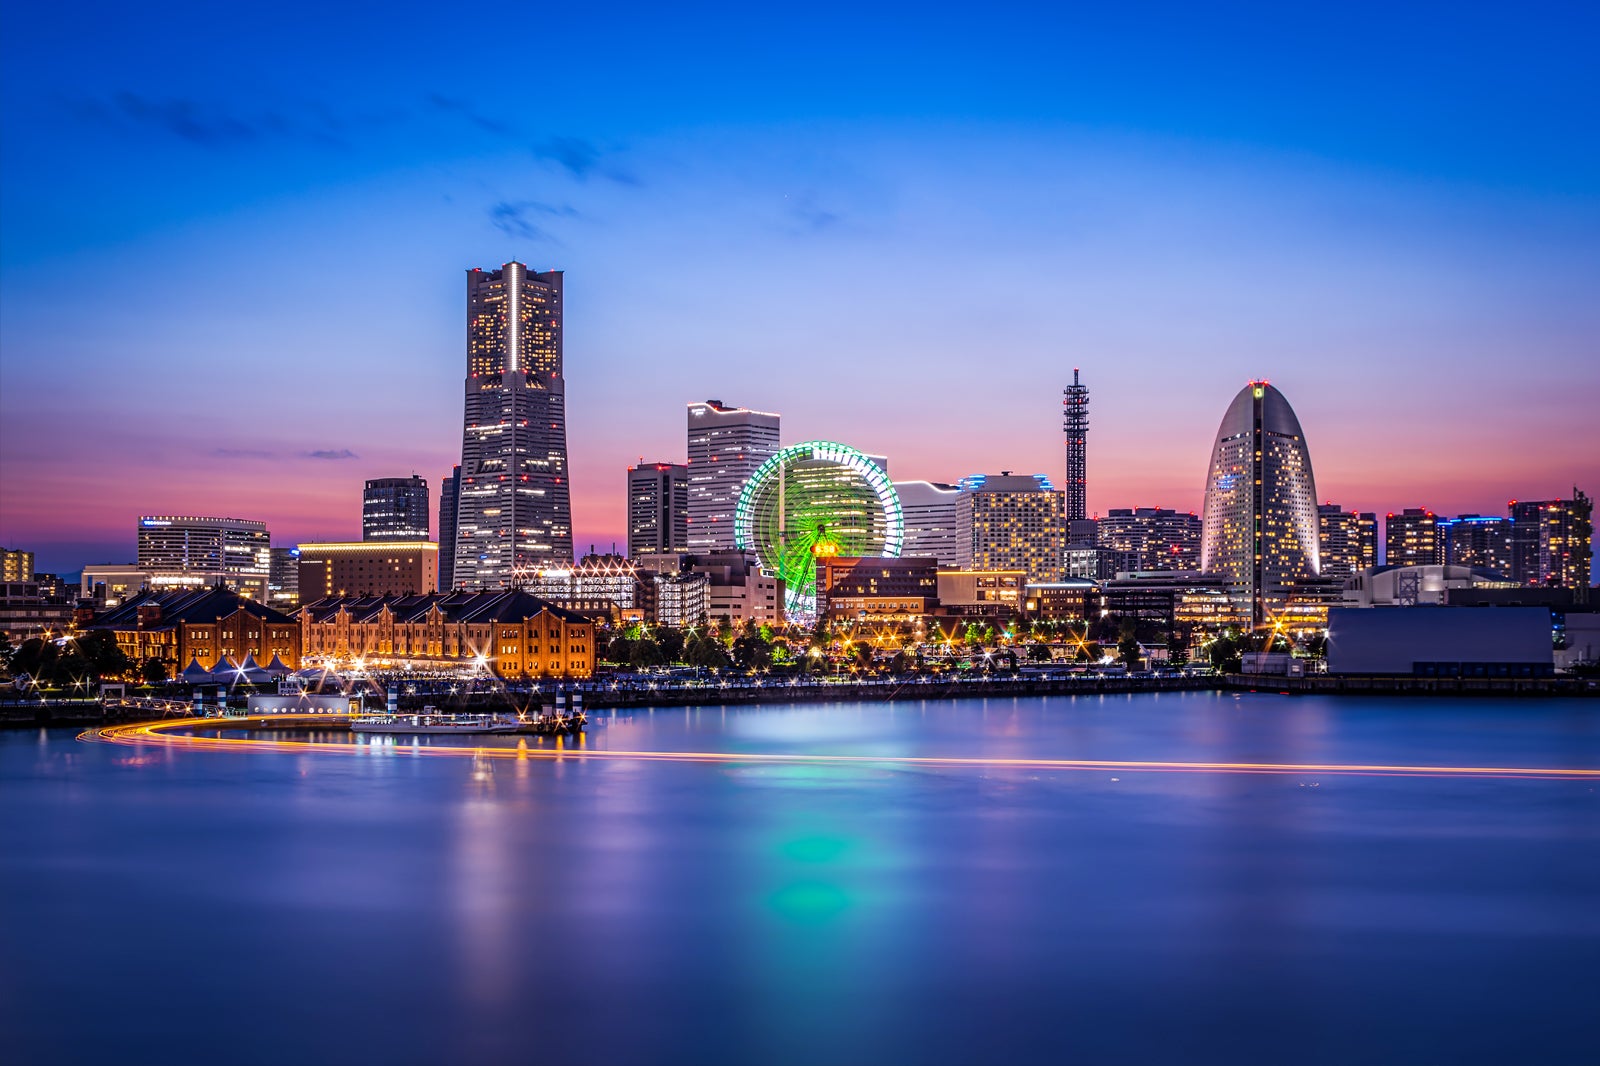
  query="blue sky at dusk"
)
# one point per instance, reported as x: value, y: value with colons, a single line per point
x: 233, y: 240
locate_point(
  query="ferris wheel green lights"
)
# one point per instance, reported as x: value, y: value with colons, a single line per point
x: 815, y: 499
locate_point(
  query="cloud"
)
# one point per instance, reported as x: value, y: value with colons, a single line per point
x: 207, y: 125
x: 515, y: 218
x: 466, y: 111
x: 581, y: 159
x: 242, y: 453
x: 332, y: 453
x: 809, y: 217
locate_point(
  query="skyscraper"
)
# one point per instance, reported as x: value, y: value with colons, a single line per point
x: 1260, y: 521
x: 726, y: 444
x: 395, y: 508
x: 1075, y: 424
x: 449, y: 507
x: 1013, y: 523
x: 930, y: 510
x: 658, y: 508
x: 515, y: 509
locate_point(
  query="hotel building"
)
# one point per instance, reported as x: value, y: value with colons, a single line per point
x: 1259, y: 529
x: 1011, y: 522
x: 726, y: 444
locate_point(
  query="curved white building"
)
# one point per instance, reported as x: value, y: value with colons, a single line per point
x: 1260, y: 522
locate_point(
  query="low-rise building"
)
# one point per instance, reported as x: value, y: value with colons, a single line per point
x: 982, y: 593
x: 1441, y: 642
x: 1069, y: 600
x: 380, y: 567
x: 510, y: 632
x: 27, y: 609
x: 208, y: 625
x: 1421, y: 585
x: 876, y: 589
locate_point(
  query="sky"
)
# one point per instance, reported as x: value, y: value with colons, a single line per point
x: 233, y: 243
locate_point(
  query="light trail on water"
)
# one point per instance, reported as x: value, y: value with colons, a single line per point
x: 161, y: 734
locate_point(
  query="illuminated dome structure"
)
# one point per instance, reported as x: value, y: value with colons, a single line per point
x: 1260, y: 524
x: 813, y: 499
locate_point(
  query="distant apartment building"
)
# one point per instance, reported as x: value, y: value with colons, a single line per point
x: 1411, y: 538
x: 1011, y: 522
x: 1085, y: 561
x: 1348, y: 539
x: 368, y: 568
x: 931, y: 512
x: 192, y: 551
x: 395, y: 508
x: 1553, y: 542
x: 16, y: 565
x: 658, y: 508
x: 1160, y: 538
x: 725, y: 446
x: 1476, y: 540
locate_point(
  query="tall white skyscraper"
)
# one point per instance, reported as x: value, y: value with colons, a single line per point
x: 514, y: 512
x: 726, y: 444
x: 1260, y: 521
x: 932, y: 527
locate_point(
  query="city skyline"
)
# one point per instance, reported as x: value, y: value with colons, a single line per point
x: 1140, y: 212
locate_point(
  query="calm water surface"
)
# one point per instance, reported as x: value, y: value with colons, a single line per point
x: 174, y: 906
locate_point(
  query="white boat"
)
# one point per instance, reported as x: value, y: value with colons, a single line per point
x: 430, y: 721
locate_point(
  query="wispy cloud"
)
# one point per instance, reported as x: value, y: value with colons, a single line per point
x: 242, y: 453
x: 332, y: 453
x: 516, y: 218
x: 452, y: 106
x: 807, y: 216
x: 581, y: 159
x: 208, y: 125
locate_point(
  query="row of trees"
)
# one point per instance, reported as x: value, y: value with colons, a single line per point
x: 76, y: 662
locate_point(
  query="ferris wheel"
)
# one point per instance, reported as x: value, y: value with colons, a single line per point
x: 816, y: 499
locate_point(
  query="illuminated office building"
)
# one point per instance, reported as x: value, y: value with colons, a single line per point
x: 658, y: 508
x: 395, y: 508
x: 368, y: 568
x: 515, y: 512
x: 1259, y: 530
x: 930, y: 511
x: 187, y: 550
x: 726, y: 445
